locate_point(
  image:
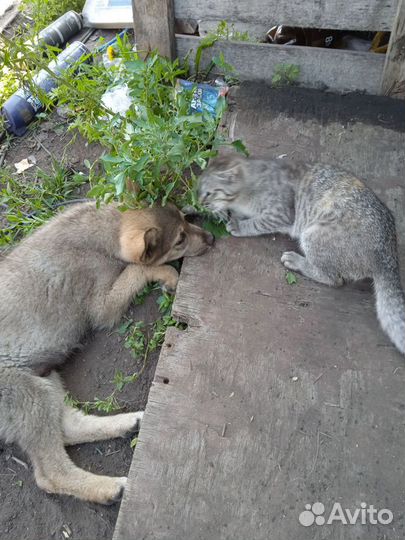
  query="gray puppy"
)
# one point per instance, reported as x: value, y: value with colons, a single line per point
x: 344, y: 231
x: 76, y: 273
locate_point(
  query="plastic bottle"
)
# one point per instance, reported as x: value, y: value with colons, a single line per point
x: 61, y: 30
x: 20, y: 108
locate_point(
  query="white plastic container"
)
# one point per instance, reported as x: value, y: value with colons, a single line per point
x: 108, y: 13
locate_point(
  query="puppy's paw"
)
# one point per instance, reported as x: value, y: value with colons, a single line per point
x: 291, y: 260
x: 115, y: 491
x: 168, y: 278
x: 134, y: 423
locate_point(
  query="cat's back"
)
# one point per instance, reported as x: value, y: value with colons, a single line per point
x: 326, y: 193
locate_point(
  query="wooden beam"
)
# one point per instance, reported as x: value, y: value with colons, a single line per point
x: 154, y: 26
x: 333, y: 69
x: 393, y: 83
x: 337, y: 14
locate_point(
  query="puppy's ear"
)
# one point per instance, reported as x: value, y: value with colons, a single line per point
x: 153, y: 245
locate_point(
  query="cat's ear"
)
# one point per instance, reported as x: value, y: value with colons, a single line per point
x: 227, y: 163
x: 233, y: 168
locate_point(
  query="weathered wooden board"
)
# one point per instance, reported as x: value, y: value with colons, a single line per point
x: 394, y: 69
x: 338, y: 70
x: 276, y: 396
x: 338, y: 14
x: 154, y: 26
x: 256, y: 31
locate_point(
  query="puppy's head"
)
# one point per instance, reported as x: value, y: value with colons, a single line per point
x: 154, y: 236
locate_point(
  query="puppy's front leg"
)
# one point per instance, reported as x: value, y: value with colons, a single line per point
x: 107, y: 309
x: 166, y: 275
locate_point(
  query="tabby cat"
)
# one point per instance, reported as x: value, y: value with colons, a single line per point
x: 344, y: 231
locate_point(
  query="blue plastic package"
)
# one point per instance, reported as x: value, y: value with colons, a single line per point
x: 205, y: 96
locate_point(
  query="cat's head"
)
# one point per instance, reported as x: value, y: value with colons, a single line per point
x: 221, y: 182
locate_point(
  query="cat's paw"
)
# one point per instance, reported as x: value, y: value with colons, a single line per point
x: 292, y: 260
x: 232, y: 226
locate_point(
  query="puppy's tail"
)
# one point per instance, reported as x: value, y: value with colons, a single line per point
x: 390, y: 304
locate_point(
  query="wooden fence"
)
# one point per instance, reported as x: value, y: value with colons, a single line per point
x: 335, y: 69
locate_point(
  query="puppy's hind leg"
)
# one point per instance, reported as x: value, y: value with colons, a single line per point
x: 31, y: 411
x: 78, y: 427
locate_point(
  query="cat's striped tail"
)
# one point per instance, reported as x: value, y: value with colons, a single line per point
x: 390, y: 304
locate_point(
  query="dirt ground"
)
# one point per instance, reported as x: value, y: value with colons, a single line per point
x: 26, y: 512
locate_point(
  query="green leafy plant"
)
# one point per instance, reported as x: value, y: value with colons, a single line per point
x: 141, y: 340
x: 20, y: 56
x: 285, y: 74
x: 152, y: 149
x: 228, y: 32
x: 134, y: 442
x: 43, y: 12
x: 26, y: 203
x: 290, y: 278
x: 108, y: 405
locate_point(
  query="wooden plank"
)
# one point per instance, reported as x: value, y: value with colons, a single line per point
x: 337, y: 14
x: 362, y: 134
x: 256, y: 31
x: 154, y: 26
x: 337, y: 70
x: 272, y: 402
x: 393, y: 83
x: 276, y: 396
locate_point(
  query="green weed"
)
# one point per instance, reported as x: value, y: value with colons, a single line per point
x: 285, y: 74
x: 290, y: 278
x: 43, y: 12
x: 151, y: 151
x: 228, y: 32
x: 141, y: 340
x: 26, y: 203
x: 134, y: 442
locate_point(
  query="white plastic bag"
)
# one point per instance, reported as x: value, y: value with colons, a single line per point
x: 117, y: 99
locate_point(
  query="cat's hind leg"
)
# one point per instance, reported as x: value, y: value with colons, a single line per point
x: 295, y: 261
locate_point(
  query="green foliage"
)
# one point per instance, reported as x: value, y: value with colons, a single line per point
x: 154, y: 146
x: 43, y: 12
x: 285, y: 74
x: 140, y: 339
x: 222, y: 32
x: 134, y: 442
x: 290, y: 278
x: 165, y: 302
x: 228, y: 32
x: 152, y: 149
x: 216, y: 227
x: 26, y: 203
x: 135, y: 339
x: 19, y: 56
x: 108, y: 405
x: 8, y: 82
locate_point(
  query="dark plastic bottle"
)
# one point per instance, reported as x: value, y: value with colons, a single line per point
x: 61, y: 30
x: 20, y: 109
